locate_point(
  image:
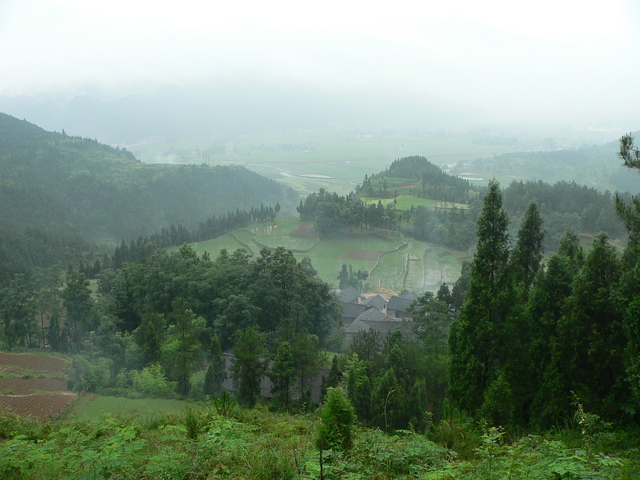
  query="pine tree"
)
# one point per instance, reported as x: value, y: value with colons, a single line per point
x: 630, y: 284
x: 476, y: 339
x: 282, y: 374
x: 249, y: 366
x: 359, y: 388
x: 333, y: 379
x: 78, y: 304
x: 216, y: 371
x: 591, y: 339
x: 514, y: 382
x: 545, y: 308
x: 183, y: 349
x: 527, y: 254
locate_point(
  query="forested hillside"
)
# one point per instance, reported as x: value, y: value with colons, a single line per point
x: 420, y: 200
x: 525, y: 369
x: 60, y: 193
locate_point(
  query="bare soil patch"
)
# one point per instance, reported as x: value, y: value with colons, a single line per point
x: 23, y: 386
x: 28, y: 361
x: 22, y: 401
x: 306, y: 229
x: 370, y: 255
x: 42, y: 406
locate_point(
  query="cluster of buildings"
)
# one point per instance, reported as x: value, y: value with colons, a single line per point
x: 374, y: 312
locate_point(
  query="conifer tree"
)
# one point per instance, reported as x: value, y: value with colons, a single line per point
x: 591, y: 341
x: 359, y: 388
x: 216, y: 371
x: 630, y: 284
x: 513, y: 387
x: 476, y: 340
x: 183, y: 349
x: 282, y: 374
x: 249, y: 366
x: 544, y: 310
x: 527, y: 254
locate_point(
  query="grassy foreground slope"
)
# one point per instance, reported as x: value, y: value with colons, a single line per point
x: 227, y: 442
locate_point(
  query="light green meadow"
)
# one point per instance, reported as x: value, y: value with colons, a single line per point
x: 93, y: 408
x: 394, y: 263
x: 405, y: 202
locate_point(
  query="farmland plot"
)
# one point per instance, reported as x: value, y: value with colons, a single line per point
x: 33, y: 385
x: 393, y: 263
x: 42, y: 406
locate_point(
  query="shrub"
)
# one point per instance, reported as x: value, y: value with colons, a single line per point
x: 196, y: 391
x: 84, y: 376
x: 335, y: 431
x: 151, y: 381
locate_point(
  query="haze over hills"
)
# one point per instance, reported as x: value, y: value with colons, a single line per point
x: 230, y: 107
x: 245, y: 120
x: 58, y: 192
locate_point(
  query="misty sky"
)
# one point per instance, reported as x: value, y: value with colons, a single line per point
x: 557, y: 61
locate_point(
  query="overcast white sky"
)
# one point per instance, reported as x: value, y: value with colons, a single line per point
x: 562, y: 60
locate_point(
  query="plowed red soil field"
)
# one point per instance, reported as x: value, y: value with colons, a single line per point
x: 23, y: 386
x: 43, y: 406
x: 28, y: 361
x: 52, y: 397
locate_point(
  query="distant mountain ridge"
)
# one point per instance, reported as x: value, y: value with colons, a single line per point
x: 227, y: 107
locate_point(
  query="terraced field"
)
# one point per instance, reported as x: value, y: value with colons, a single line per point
x: 394, y: 263
x: 33, y: 385
x: 405, y: 202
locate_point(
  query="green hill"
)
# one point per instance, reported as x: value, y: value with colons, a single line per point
x: 60, y: 193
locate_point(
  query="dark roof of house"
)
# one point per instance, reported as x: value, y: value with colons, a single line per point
x: 352, y: 310
x: 399, y: 304
x: 371, y: 314
x: 384, y: 327
x: 410, y: 296
x: 348, y: 295
x: 375, y: 302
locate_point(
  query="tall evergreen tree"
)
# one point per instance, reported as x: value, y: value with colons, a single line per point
x: 630, y: 284
x: 249, y: 365
x: 183, y: 348
x: 78, y: 305
x: 545, y: 308
x: 476, y: 340
x: 591, y: 338
x: 282, y: 374
x: 216, y: 371
x: 527, y: 253
x: 515, y: 381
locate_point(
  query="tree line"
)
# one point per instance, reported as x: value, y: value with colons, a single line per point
x: 532, y: 342
x: 565, y: 206
x: 160, y: 321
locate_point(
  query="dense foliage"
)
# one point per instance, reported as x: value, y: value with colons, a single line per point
x: 515, y: 346
x: 531, y: 343
x: 564, y: 206
x: 427, y: 181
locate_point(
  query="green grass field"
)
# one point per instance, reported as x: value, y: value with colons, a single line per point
x: 405, y: 202
x: 394, y: 263
x: 92, y: 408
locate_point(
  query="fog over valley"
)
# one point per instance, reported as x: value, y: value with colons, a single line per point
x: 247, y: 66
